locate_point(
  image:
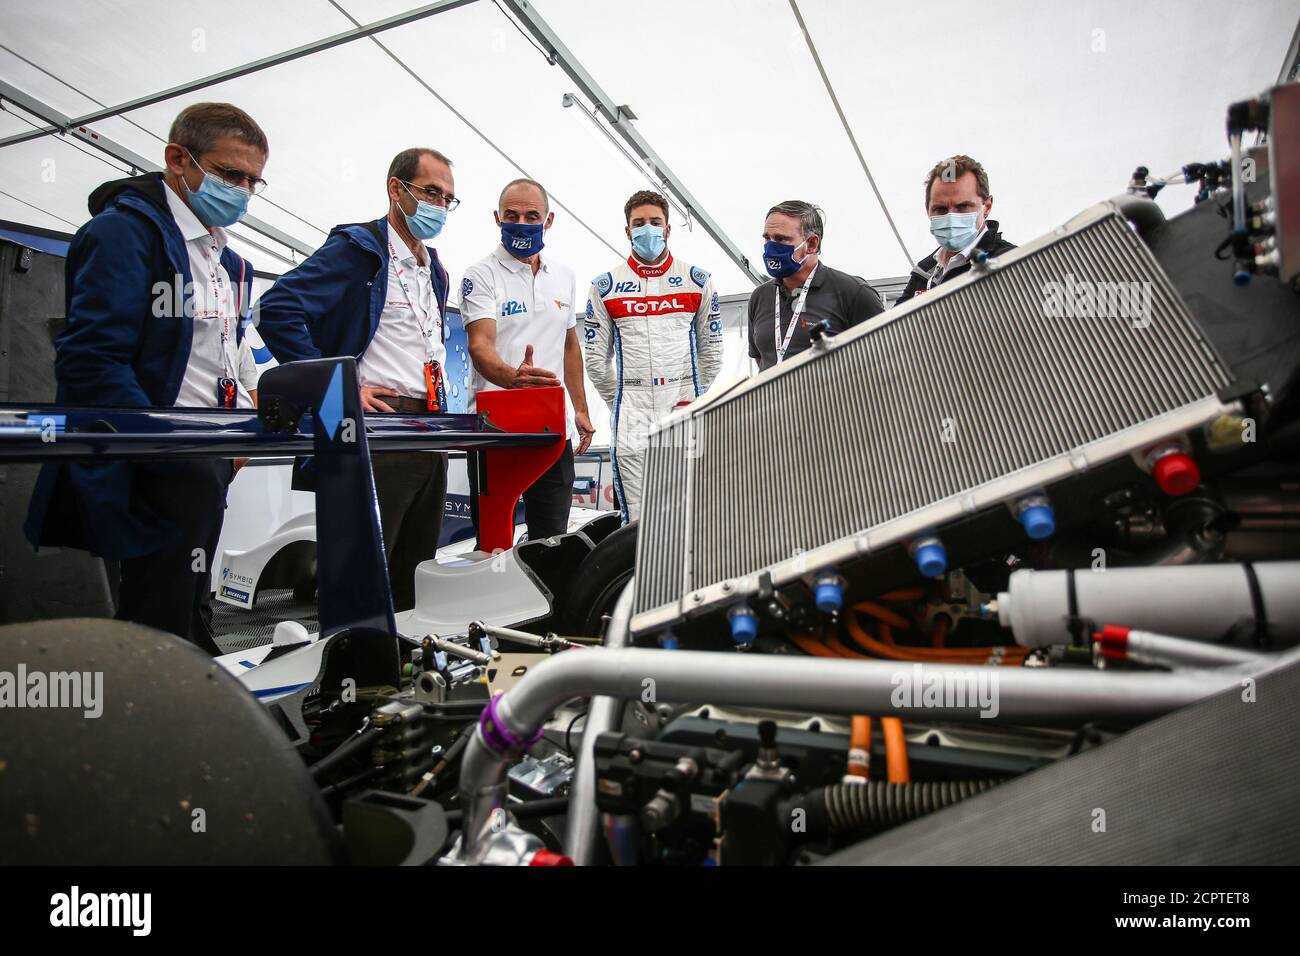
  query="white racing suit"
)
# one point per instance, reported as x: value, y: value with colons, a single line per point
x: 652, y: 338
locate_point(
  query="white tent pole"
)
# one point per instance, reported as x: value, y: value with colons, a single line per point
x: 560, y: 55
x: 316, y: 46
x: 849, y: 132
x: 480, y: 134
x: 119, y: 152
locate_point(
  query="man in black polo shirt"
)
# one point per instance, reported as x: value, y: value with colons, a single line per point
x: 803, y: 292
x: 958, y: 201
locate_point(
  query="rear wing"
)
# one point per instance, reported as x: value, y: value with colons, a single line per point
x: 314, y: 408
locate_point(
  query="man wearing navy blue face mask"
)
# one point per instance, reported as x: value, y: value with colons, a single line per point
x: 155, y: 305
x: 376, y: 291
x: 519, y: 310
x: 804, y: 292
x: 958, y: 201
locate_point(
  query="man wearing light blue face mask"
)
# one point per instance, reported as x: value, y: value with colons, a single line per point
x: 156, y: 301
x: 377, y: 291
x: 652, y: 340
x: 958, y: 201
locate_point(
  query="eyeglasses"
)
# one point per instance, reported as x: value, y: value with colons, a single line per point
x: 432, y: 194
x: 233, y: 177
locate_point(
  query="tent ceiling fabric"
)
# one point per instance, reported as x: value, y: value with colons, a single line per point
x: 1059, y: 102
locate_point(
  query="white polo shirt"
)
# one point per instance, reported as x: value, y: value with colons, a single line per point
x: 536, y: 310
x: 395, y: 356
x: 216, y: 306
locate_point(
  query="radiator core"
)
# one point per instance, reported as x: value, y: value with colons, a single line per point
x: 996, y: 384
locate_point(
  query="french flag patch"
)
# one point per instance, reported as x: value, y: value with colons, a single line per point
x: 661, y: 381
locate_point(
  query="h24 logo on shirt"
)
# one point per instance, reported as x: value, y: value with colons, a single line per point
x: 513, y: 307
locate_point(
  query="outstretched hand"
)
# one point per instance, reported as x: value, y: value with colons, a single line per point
x: 528, y: 375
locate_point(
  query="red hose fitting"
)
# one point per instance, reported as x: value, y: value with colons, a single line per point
x: 1176, y: 473
x: 1114, y: 642
x: 549, y: 858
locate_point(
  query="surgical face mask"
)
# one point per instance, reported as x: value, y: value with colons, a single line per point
x: 522, y: 240
x: 215, y: 202
x: 428, y: 219
x: 956, y: 230
x: 779, y: 260
x: 648, y: 242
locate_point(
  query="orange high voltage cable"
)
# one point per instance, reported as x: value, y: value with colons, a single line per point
x: 895, y: 750
x: 860, y: 748
x: 948, y: 655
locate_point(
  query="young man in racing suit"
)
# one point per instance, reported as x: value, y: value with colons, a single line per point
x: 652, y: 340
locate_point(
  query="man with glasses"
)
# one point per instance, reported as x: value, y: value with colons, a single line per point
x: 155, y: 305
x: 375, y: 291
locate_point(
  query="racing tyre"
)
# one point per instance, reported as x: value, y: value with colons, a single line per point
x: 133, y: 747
x: 599, y: 579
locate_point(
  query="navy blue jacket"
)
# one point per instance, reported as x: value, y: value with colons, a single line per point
x: 329, y: 305
x: 123, y: 346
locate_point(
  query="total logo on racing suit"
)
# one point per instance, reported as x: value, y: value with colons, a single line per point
x: 652, y: 339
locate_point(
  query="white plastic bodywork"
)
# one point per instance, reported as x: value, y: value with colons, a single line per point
x: 239, y: 572
x: 281, y: 677
x: 458, y: 586
x: 454, y: 589
x: 261, y: 500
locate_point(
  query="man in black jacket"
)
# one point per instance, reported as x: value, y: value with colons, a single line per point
x: 958, y: 201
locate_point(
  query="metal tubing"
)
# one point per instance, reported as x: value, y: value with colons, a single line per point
x: 1024, y: 695
x: 461, y: 651
x: 111, y: 147
x: 621, y: 124
x: 583, y: 834
x: 1144, y: 647
x: 508, y: 634
x: 1052, y: 696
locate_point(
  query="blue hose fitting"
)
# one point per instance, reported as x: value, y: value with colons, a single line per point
x: 744, y: 624
x: 828, y: 591
x: 1035, y: 514
x: 930, y: 555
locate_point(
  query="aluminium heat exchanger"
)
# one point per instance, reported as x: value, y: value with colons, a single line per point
x: 1005, y: 381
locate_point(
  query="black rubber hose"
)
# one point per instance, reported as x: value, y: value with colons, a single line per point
x: 527, y: 810
x: 345, y: 750
x: 435, y: 768
x: 872, y: 806
x: 1145, y: 214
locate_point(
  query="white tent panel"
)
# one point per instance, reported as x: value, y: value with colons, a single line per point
x: 730, y: 96
x: 1060, y: 102
x: 118, y: 50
